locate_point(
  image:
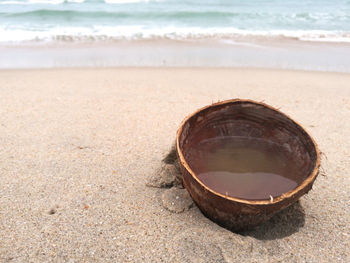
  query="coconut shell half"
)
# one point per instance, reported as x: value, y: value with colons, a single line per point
x: 245, y: 118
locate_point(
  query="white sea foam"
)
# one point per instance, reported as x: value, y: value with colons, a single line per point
x: 52, y: 2
x: 103, y: 33
x: 129, y: 1
x: 12, y: 2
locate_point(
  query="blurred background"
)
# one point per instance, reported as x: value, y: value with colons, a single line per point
x: 224, y: 28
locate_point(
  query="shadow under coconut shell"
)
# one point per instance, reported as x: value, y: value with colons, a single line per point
x: 283, y: 224
x: 171, y: 157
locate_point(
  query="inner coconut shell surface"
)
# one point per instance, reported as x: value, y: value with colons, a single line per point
x: 245, y: 119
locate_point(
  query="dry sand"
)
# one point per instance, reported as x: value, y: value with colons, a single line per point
x: 77, y: 147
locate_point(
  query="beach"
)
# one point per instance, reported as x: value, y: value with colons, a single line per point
x: 92, y: 94
x: 78, y: 146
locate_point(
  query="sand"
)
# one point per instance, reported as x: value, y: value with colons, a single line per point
x: 77, y: 147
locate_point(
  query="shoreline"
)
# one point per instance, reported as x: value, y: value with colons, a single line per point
x: 281, y: 54
x: 179, y: 68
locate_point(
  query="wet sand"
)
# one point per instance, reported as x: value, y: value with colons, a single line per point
x: 77, y: 147
x: 279, y: 53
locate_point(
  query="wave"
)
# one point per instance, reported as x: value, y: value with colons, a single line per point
x: 177, y: 15
x: 132, y: 33
x: 49, y: 13
x: 97, y: 20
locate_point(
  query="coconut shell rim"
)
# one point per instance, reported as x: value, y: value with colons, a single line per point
x: 309, y: 179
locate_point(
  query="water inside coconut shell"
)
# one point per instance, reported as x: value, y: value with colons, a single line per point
x: 245, y: 167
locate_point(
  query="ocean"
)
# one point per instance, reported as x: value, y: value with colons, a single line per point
x: 56, y: 21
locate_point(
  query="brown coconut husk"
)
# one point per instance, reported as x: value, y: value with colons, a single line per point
x: 267, y: 122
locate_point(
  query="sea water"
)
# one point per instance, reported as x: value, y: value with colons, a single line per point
x: 226, y: 20
x: 244, y: 167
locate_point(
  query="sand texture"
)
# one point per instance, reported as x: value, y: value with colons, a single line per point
x: 81, y: 155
